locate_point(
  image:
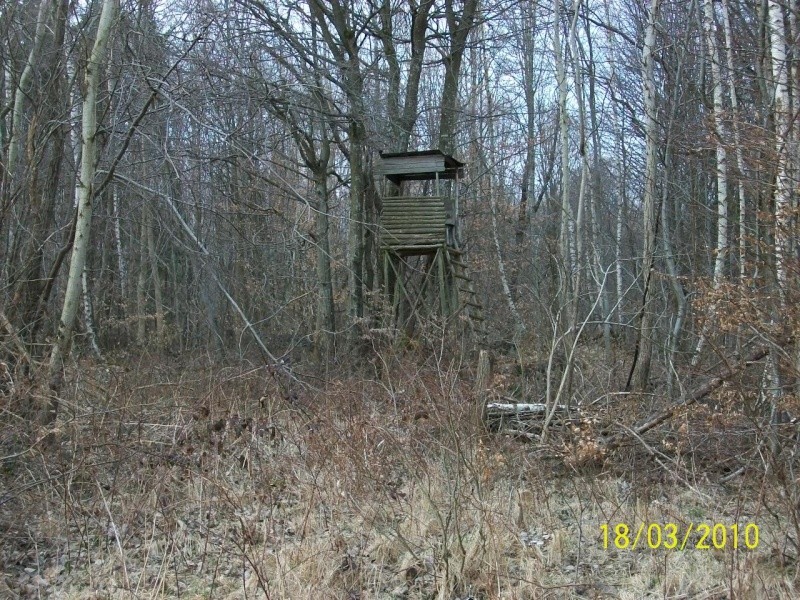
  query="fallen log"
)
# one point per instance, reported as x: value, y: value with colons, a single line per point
x: 518, y: 410
x: 520, y: 418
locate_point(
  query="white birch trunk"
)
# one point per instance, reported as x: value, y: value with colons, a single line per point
x: 84, y: 195
x: 709, y: 25
x: 783, y: 123
x: 793, y: 166
x: 794, y: 149
x: 122, y: 268
x: 141, y: 284
x: 621, y: 207
x: 734, y: 99
x: 783, y: 183
x: 529, y: 89
x: 88, y: 314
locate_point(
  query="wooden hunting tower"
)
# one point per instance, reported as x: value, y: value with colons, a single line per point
x: 424, y: 270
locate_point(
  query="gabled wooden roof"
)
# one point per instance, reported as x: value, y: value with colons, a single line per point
x: 420, y: 165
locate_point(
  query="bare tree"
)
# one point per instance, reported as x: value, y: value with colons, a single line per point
x: 402, y: 121
x: 40, y: 183
x: 84, y: 193
x: 459, y: 26
x: 645, y: 340
x: 21, y: 93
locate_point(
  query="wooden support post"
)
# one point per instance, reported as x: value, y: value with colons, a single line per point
x: 419, y: 297
x: 452, y: 288
x: 387, y: 285
x: 456, y: 232
x: 403, y: 298
x: 443, y: 299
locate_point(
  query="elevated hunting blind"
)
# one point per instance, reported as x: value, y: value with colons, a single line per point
x: 424, y: 270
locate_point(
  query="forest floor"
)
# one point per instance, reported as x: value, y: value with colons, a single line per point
x: 212, y: 482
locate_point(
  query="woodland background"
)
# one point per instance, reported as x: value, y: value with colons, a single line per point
x: 188, y: 235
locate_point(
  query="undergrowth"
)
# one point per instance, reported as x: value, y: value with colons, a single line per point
x: 202, y: 481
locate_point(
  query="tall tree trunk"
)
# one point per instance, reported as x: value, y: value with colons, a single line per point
x: 677, y: 289
x: 793, y: 139
x: 567, y: 250
x: 85, y: 199
x: 519, y: 324
x: 793, y: 152
x: 326, y: 323
x: 21, y: 94
x: 580, y: 212
x: 783, y: 183
x: 344, y: 47
x: 402, y: 121
x: 528, y: 86
x: 734, y: 99
x: 783, y: 125
x: 595, y: 194
x: 667, y: 226
x: 45, y: 160
x: 155, y: 274
x: 620, y: 209
x: 355, y: 236
x: 645, y: 341
x: 122, y: 268
x: 620, y: 203
x: 141, y: 283
x: 459, y: 27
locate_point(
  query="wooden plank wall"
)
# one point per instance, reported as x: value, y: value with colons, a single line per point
x: 413, y: 221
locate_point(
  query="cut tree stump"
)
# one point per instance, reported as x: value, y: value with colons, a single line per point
x: 482, y: 381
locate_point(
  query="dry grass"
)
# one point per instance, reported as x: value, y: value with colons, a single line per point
x: 209, y: 482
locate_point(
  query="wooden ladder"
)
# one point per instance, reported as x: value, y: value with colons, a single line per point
x: 466, y: 297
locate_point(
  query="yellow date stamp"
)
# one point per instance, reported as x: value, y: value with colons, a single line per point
x: 671, y: 536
